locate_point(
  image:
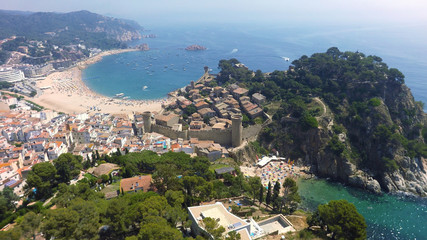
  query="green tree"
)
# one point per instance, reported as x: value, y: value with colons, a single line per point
x: 254, y: 184
x: 68, y: 166
x: 291, y: 197
x: 88, y: 225
x: 213, y: 228
x: 233, y: 236
x: 14, y: 234
x: 115, y: 216
x: 175, y: 198
x: 60, y: 223
x: 157, y: 228
x: 341, y: 219
x: 276, y: 199
x: 261, y: 194
x: 7, y: 200
x: 30, y: 224
x: 42, y: 178
x: 268, y: 197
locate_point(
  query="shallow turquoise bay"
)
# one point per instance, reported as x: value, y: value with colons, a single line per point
x: 387, y: 216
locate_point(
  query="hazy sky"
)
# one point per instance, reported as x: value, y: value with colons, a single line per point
x: 160, y: 12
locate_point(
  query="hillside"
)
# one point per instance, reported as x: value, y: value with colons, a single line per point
x: 346, y: 115
x: 68, y: 28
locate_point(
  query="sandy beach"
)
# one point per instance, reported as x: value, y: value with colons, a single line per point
x: 66, y: 92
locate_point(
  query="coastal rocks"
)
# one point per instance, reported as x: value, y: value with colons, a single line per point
x: 143, y: 47
x: 195, y: 47
x: 362, y: 180
x: 410, y: 178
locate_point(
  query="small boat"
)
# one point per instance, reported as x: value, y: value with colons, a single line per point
x: 125, y: 98
x: 286, y: 59
x: 120, y: 94
x: 145, y: 87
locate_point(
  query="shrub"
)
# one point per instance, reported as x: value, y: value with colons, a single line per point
x: 374, y: 102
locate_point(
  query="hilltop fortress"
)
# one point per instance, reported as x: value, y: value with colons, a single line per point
x: 206, y: 111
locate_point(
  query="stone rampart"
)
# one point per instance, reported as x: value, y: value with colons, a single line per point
x: 169, y: 132
x: 222, y: 137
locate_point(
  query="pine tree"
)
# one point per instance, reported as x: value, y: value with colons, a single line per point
x: 97, y: 155
x: 268, y: 197
x: 276, y: 191
x: 261, y: 194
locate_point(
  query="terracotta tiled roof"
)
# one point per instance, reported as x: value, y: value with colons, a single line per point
x: 136, y: 183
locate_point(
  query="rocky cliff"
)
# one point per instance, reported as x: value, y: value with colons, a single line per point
x: 346, y: 115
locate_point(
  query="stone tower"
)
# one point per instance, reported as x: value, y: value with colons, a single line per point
x: 206, y: 68
x: 146, y: 116
x: 236, y: 130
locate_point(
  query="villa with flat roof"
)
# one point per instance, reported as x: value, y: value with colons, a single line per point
x: 247, y: 228
x: 217, y: 211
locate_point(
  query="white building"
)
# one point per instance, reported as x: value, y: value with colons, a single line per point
x: 11, y: 75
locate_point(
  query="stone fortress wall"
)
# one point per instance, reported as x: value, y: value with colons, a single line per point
x: 169, y: 132
x: 222, y: 137
x: 233, y: 136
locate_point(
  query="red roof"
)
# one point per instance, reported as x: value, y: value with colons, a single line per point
x: 136, y: 183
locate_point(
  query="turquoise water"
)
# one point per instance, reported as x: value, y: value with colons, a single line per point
x: 387, y: 216
x: 167, y: 66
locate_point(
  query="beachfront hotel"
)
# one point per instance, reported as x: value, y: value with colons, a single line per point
x: 11, y: 75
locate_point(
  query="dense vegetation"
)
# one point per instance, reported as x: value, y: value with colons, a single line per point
x: 61, y: 29
x: 4, y: 55
x: 366, y: 100
x: 5, y: 85
x: 82, y: 212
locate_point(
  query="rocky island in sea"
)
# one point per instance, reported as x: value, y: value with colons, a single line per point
x: 195, y: 47
x: 143, y: 47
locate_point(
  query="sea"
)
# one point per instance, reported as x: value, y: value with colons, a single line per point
x: 167, y: 66
x: 387, y: 216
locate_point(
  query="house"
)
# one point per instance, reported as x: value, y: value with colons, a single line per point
x: 217, y: 211
x: 256, y: 112
x: 196, y: 125
x: 240, y: 92
x: 201, y: 104
x: 206, y: 112
x: 134, y: 184
x: 258, y: 98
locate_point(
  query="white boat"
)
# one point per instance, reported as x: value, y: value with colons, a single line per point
x: 145, y: 87
x: 286, y: 59
x: 120, y: 94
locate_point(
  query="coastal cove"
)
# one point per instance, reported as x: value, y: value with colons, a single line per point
x: 387, y: 216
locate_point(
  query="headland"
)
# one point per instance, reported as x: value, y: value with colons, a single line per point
x: 65, y: 91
